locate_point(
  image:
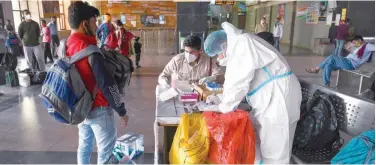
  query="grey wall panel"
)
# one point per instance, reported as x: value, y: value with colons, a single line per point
x: 192, y: 16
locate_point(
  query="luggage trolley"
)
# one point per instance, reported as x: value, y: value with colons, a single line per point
x: 181, y: 39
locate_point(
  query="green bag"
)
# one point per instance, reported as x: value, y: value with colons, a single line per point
x: 11, y: 78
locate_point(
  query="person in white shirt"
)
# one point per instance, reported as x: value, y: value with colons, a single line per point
x: 278, y: 31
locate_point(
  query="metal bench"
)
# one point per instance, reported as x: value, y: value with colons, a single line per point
x: 355, y: 115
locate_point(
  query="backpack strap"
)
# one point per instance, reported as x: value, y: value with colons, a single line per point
x: 85, y: 53
x: 210, y: 67
x: 61, y: 50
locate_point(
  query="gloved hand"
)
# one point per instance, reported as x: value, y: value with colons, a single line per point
x: 207, y: 107
x: 214, y: 99
x: 167, y: 86
x: 164, y: 83
x: 206, y: 79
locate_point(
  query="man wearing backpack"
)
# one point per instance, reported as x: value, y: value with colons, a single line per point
x: 100, y: 124
x: 106, y: 34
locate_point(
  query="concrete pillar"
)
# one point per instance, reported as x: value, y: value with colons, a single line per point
x: 294, y: 4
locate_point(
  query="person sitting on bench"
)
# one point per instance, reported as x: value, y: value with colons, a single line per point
x: 353, y: 61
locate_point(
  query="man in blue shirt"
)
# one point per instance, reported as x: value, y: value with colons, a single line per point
x: 353, y: 61
x: 104, y: 31
x: 54, y: 35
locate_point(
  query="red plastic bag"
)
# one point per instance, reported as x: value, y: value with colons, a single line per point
x: 232, y: 138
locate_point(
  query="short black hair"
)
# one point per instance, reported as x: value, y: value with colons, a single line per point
x: 43, y: 21
x: 8, y: 20
x: 193, y: 41
x: 347, y: 20
x: 267, y: 36
x: 107, y: 14
x: 26, y: 12
x: 137, y: 38
x: 119, y: 23
x: 80, y: 11
x: 357, y: 37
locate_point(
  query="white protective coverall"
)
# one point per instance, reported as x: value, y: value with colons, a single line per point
x: 257, y: 71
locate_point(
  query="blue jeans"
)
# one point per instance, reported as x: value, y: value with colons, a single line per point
x: 99, y: 125
x: 276, y: 43
x: 339, y: 47
x: 333, y: 63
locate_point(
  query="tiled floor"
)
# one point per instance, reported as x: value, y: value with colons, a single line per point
x: 29, y: 135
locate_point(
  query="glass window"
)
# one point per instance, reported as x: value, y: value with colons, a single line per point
x: 61, y: 19
x: 24, y: 5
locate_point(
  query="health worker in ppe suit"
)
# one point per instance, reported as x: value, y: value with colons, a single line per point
x: 257, y: 71
x: 192, y: 65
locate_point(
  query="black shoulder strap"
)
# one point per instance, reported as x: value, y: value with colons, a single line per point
x: 210, y: 67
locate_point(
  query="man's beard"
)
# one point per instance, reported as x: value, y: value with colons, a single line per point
x: 88, y: 31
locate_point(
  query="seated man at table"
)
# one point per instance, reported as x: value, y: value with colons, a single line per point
x: 192, y: 65
x: 353, y: 61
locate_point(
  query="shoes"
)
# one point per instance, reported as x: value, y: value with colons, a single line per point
x: 138, y: 66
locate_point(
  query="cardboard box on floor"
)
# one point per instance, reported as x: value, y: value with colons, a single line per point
x: 203, y: 92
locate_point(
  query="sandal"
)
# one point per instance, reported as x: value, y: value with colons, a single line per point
x: 312, y: 71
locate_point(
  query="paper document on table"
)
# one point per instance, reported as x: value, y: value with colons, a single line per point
x: 184, y: 87
x: 167, y: 95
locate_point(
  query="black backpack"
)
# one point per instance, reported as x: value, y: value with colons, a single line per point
x: 121, y: 67
x: 9, y: 61
x: 318, y: 126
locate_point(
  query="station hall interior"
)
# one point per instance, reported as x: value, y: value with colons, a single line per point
x: 28, y: 135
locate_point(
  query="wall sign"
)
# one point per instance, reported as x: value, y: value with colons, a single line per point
x: 281, y: 10
x: 313, y: 14
x: 323, y: 10
x: 51, y: 8
x: 301, y: 13
x: 343, y: 15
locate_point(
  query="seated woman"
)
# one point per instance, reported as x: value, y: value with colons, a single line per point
x: 353, y: 61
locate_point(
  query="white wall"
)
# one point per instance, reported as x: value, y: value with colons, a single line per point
x: 304, y: 34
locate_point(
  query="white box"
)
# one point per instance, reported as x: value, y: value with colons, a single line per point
x: 24, y: 79
x: 130, y: 144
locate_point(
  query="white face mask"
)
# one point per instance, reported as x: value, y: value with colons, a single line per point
x: 28, y: 16
x: 222, y: 62
x: 190, y: 57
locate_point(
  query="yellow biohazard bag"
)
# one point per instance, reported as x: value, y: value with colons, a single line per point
x: 191, y: 140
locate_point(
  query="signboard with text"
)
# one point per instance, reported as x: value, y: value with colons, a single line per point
x: 118, y: 1
x: 50, y: 8
x: 224, y: 2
